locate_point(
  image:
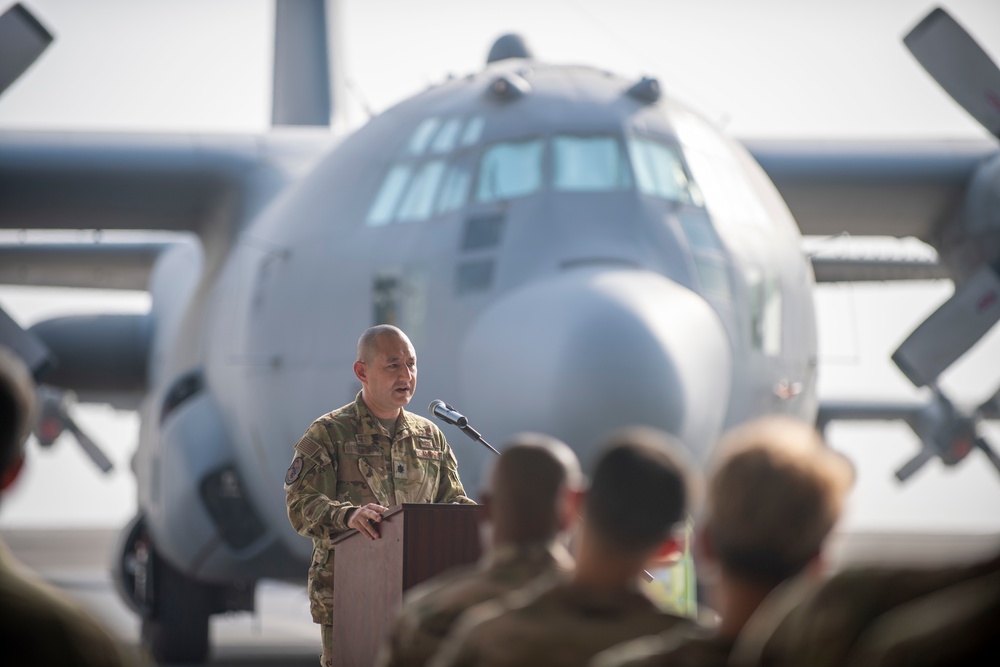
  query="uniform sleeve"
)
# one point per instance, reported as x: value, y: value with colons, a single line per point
x: 459, y: 649
x: 450, y: 489
x: 311, y: 487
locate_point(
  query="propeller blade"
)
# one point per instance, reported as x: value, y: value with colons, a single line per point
x: 988, y: 451
x: 951, y: 330
x: 949, y: 54
x: 22, y: 40
x: 990, y: 409
x: 89, y: 446
x: 916, y: 463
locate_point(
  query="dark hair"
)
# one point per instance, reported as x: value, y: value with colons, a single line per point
x: 17, y: 402
x: 639, y: 489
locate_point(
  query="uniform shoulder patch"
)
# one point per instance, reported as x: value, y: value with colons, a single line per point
x: 294, y: 470
x: 307, y: 447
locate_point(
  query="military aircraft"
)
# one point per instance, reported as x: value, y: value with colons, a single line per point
x: 569, y: 250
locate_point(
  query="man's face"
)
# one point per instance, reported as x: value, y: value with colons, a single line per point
x: 389, y: 378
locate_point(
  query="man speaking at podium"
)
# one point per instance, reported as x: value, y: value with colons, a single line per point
x: 352, y: 464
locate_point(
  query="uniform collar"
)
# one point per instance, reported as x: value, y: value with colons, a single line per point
x: 370, y: 425
x: 542, y: 551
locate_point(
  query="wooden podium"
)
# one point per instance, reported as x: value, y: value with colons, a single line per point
x: 370, y: 576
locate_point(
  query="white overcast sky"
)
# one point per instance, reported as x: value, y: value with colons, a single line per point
x: 767, y: 68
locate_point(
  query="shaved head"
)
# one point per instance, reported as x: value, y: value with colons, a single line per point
x: 366, y: 344
x: 527, y: 487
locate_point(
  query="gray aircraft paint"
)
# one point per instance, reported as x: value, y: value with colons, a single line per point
x: 566, y: 312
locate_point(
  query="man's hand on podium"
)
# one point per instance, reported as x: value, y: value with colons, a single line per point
x: 364, y: 519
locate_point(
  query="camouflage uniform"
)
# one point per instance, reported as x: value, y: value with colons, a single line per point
x: 430, y: 609
x: 825, y: 624
x: 956, y: 626
x: 555, y: 624
x: 687, y: 646
x: 345, y: 460
x: 38, y: 626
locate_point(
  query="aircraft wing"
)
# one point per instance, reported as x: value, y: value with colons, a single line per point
x: 851, y: 269
x: 59, y: 180
x: 875, y: 188
x: 833, y: 410
x: 99, y: 265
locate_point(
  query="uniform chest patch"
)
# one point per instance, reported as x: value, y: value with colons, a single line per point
x: 359, y: 449
x: 294, y: 470
x: 399, y: 470
x: 426, y: 449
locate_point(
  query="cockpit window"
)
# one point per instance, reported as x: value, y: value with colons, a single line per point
x: 509, y: 170
x: 421, y: 137
x: 729, y: 196
x: 473, y: 131
x: 593, y: 164
x: 418, y: 204
x: 447, y: 136
x: 455, y: 188
x: 384, y: 206
x: 659, y: 171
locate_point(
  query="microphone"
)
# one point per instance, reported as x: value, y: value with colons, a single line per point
x: 450, y: 415
x: 447, y: 414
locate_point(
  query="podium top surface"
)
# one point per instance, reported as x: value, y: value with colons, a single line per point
x: 412, y: 507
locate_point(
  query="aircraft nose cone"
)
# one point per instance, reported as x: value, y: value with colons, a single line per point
x: 591, y: 350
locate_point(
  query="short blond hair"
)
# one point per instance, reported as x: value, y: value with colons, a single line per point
x: 774, y: 493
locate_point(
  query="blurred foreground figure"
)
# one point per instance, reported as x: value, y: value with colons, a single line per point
x: 38, y: 625
x: 774, y: 493
x: 637, y: 498
x: 888, y: 616
x: 531, y: 502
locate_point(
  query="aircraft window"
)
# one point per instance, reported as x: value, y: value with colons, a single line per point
x: 455, y: 189
x: 728, y: 195
x: 474, y: 276
x: 589, y: 164
x: 712, y: 274
x: 765, y: 312
x: 422, y: 136
x: 482, y: 232
x: 510, y: 170
x: 473, y: 131
x: 419, y: 201
x: 388, y: 196
x: 447, y: 136
x: 709, y: 256
x: 659, y: 171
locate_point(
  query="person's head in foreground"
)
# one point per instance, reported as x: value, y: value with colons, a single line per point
x: 638, y: 496
x: 534, y: 490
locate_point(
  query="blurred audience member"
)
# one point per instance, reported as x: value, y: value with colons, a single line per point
x: 532, y: 500
x: 38, y: 625
x: 774, y: 493
x: 635, y: 503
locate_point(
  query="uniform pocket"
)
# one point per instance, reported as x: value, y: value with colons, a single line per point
x: 375, y: 482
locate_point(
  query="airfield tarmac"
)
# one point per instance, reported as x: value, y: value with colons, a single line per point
x: 281, y: 631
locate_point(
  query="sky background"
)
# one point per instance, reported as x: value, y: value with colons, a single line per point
x: 761, y: 69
